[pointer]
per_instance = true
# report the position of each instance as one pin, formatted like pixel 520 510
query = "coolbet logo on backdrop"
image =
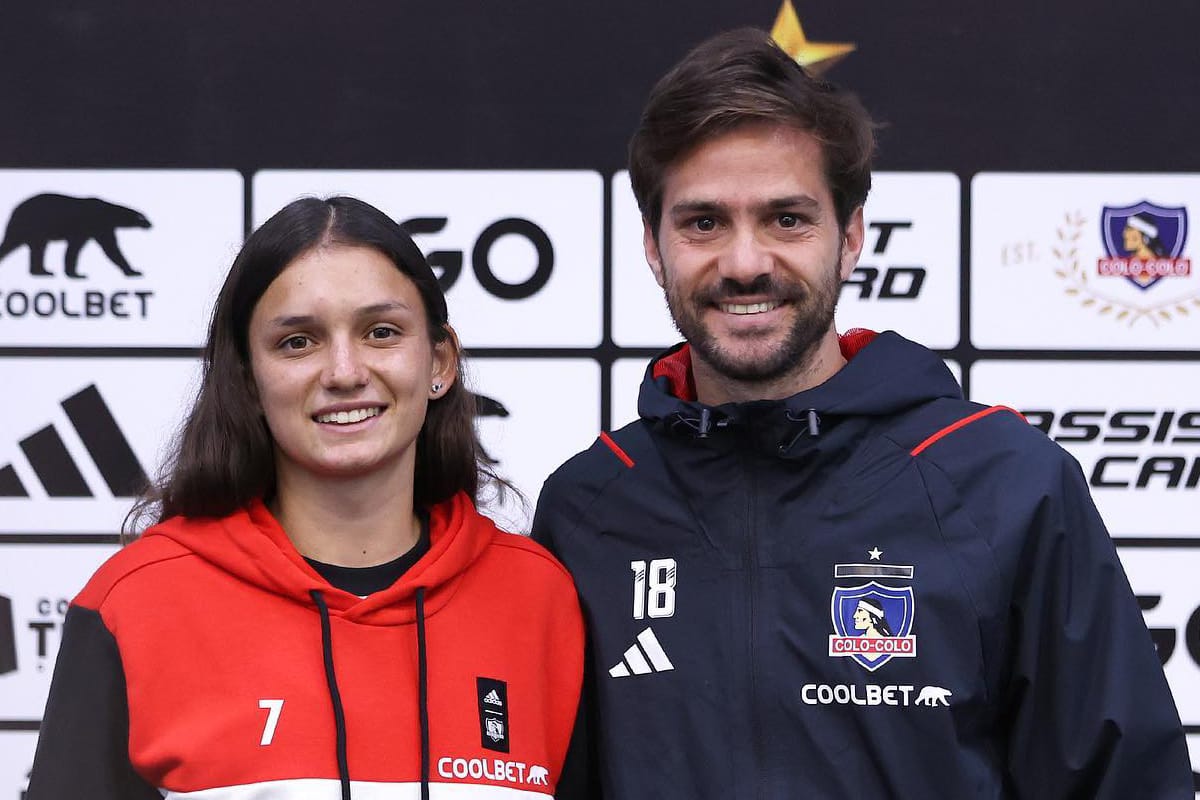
pixel 519 254
pixel 46 218
pixel 122 258
pixel 1134 427
pixel 1054 268
pixel 91 431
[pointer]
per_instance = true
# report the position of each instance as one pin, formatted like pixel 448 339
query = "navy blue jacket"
pixel 871 589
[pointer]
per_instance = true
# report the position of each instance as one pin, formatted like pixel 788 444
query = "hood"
pixel 885 374
pixel 250 545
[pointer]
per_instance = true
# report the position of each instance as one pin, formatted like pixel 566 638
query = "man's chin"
pixel 749 362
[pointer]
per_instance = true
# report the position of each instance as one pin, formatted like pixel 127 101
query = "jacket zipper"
pixel 751 626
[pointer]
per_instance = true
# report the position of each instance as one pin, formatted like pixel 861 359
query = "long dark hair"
pixel 223 457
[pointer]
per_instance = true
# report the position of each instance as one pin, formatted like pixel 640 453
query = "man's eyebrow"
pixel 794 201
pixel 696 207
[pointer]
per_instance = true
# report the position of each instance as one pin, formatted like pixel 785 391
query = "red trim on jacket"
pixel 949 429
pixel 616 448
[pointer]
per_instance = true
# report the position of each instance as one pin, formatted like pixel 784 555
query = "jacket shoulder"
pixel 963 432
pixel 126 564
pixel 581 480
pixel 609 456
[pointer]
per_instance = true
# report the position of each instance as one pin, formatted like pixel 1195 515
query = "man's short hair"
pixel 742 77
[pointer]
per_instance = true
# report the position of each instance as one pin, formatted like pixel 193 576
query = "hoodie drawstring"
pixel 812 428
pixel 423 692
pixel 339 714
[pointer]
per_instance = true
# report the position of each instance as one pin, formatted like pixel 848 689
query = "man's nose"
pixel 745 259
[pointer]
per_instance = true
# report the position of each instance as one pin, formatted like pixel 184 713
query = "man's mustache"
pixel 729 290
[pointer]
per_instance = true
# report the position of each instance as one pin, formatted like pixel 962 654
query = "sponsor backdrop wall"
pixel 1031 220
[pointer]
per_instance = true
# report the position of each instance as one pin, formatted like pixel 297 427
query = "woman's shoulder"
pixel 130 566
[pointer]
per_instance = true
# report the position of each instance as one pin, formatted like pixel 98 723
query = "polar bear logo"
pixel 539 776
pixel 46 218
pixel 934 696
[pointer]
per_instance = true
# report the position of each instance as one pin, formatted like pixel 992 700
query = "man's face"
pixel 750 254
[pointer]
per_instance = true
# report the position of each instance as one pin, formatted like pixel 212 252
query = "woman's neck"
pixel 351 523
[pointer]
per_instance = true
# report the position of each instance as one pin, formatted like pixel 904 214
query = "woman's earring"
pixel 437 387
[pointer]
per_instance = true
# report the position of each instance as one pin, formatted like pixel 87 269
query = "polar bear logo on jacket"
pixel 538 776
pixel 46 218
pixel 934 696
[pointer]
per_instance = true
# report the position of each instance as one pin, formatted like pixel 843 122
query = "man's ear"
pixel 852 243
pixel 653 257
pixel 445 364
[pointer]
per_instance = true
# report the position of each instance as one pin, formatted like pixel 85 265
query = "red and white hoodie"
pixel 209 660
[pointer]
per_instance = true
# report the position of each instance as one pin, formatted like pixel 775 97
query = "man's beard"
pixel 813 308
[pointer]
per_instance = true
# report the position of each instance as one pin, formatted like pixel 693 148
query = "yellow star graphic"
pixel 816 57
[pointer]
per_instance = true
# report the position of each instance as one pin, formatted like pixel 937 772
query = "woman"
pixel 319 606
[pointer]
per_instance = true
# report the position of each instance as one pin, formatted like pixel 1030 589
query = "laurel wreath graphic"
pixel 1076 275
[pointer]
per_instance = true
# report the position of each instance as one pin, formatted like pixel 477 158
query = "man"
pixel 786 492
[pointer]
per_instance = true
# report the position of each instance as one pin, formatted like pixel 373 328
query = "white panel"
pixel 16 757
pixel 38 581
pixel 1132 418
pixel 195 230
pixel 1038 282
pixel 553 412
pixel 912 246
pixel 1193 744
pixel 908 275
pixel 640 316
pixel 146 398
pixel 1167 577
pixel 564 207
pixel 627 374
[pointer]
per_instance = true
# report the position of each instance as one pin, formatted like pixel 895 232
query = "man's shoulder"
pixel 996 445
pixel 609 456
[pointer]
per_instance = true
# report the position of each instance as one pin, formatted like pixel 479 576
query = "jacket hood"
pixel 250 545
pixel 884 375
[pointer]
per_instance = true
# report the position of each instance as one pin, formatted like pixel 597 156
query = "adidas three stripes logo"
pixel 53 465
pixel 644 657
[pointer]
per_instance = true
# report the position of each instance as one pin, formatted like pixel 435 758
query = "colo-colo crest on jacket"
pixel 872 621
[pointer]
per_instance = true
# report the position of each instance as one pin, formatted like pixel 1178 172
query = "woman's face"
pixel 343 365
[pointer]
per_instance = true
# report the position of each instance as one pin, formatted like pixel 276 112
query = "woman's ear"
pixel 445 364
